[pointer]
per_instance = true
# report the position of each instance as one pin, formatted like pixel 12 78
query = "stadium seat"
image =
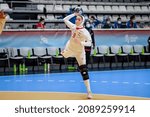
pixel 137 8
pixel 4 58
pixel 40 7
pixel 100 17
pixel 145 56
pixel 84 7
pixel 50 17
pixel 138 18
pixel 124 18
pixel 99 55
pixel 130 9
pixel 50 7
pixel 114 17
pixel 66 7
pixel 135 55
pixel 100 8
pixel 29 59
pixel 123 55
pixel 74 5
pixel 58 16
pixel 50 25
pixel 40 15
pixel 61 26
pixel 115 8
pixel 92 8
pixel 145 8
pixel 145 18
pixel 57 58
pixel 122 8
pixel 58 7
pixel 107 8
pixel 111 55
pixel 15 57
pixel 42 55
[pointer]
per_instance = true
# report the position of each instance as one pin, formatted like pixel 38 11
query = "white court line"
pixel 115 82
pixel 18 80
pixel 147 83
pixel 61 81
pixel 125 82
pixel 29 80
pixel 7 80
pixel 39 80
pixel 104 81
pixel 71 80
pixel 50 80
pixel 136 83
pixel 94 81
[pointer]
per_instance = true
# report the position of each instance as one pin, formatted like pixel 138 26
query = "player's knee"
pixel 84 72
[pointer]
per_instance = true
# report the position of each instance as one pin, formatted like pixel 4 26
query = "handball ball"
pixel 78 10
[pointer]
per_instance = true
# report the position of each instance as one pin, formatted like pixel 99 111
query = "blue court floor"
pixel 120 82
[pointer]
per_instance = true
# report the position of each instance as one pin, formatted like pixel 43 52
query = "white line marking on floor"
pixel 40 80
pixel 7 80
pixel 29 80
pixel 104 81
pixel 115 82
pixel 50 80
pixel 61 81
pixel 125 82
pixel 94 81
pixel 71 80
pixel 147 83
pixel 136 83
pixel 18 80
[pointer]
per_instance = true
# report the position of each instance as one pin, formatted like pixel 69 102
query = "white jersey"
pixel 78 34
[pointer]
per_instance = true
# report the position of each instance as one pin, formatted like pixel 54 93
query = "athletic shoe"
pixel 89 95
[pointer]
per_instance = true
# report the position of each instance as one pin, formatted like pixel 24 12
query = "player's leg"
pixel 67 53
pixel 84 72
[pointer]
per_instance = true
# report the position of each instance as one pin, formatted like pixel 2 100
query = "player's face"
pixel 78 20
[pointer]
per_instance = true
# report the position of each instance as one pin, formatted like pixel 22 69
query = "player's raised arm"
pixel 67 22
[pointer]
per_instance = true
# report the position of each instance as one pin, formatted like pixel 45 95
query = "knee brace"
pixel 84 72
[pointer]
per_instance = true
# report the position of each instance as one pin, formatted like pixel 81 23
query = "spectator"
pixel 41 24
pixel 94 22
pixel 118 23
pixel 131 23
pixel 88 26
pixel 107 23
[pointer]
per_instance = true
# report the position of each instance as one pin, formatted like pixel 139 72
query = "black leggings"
pixel 88 54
